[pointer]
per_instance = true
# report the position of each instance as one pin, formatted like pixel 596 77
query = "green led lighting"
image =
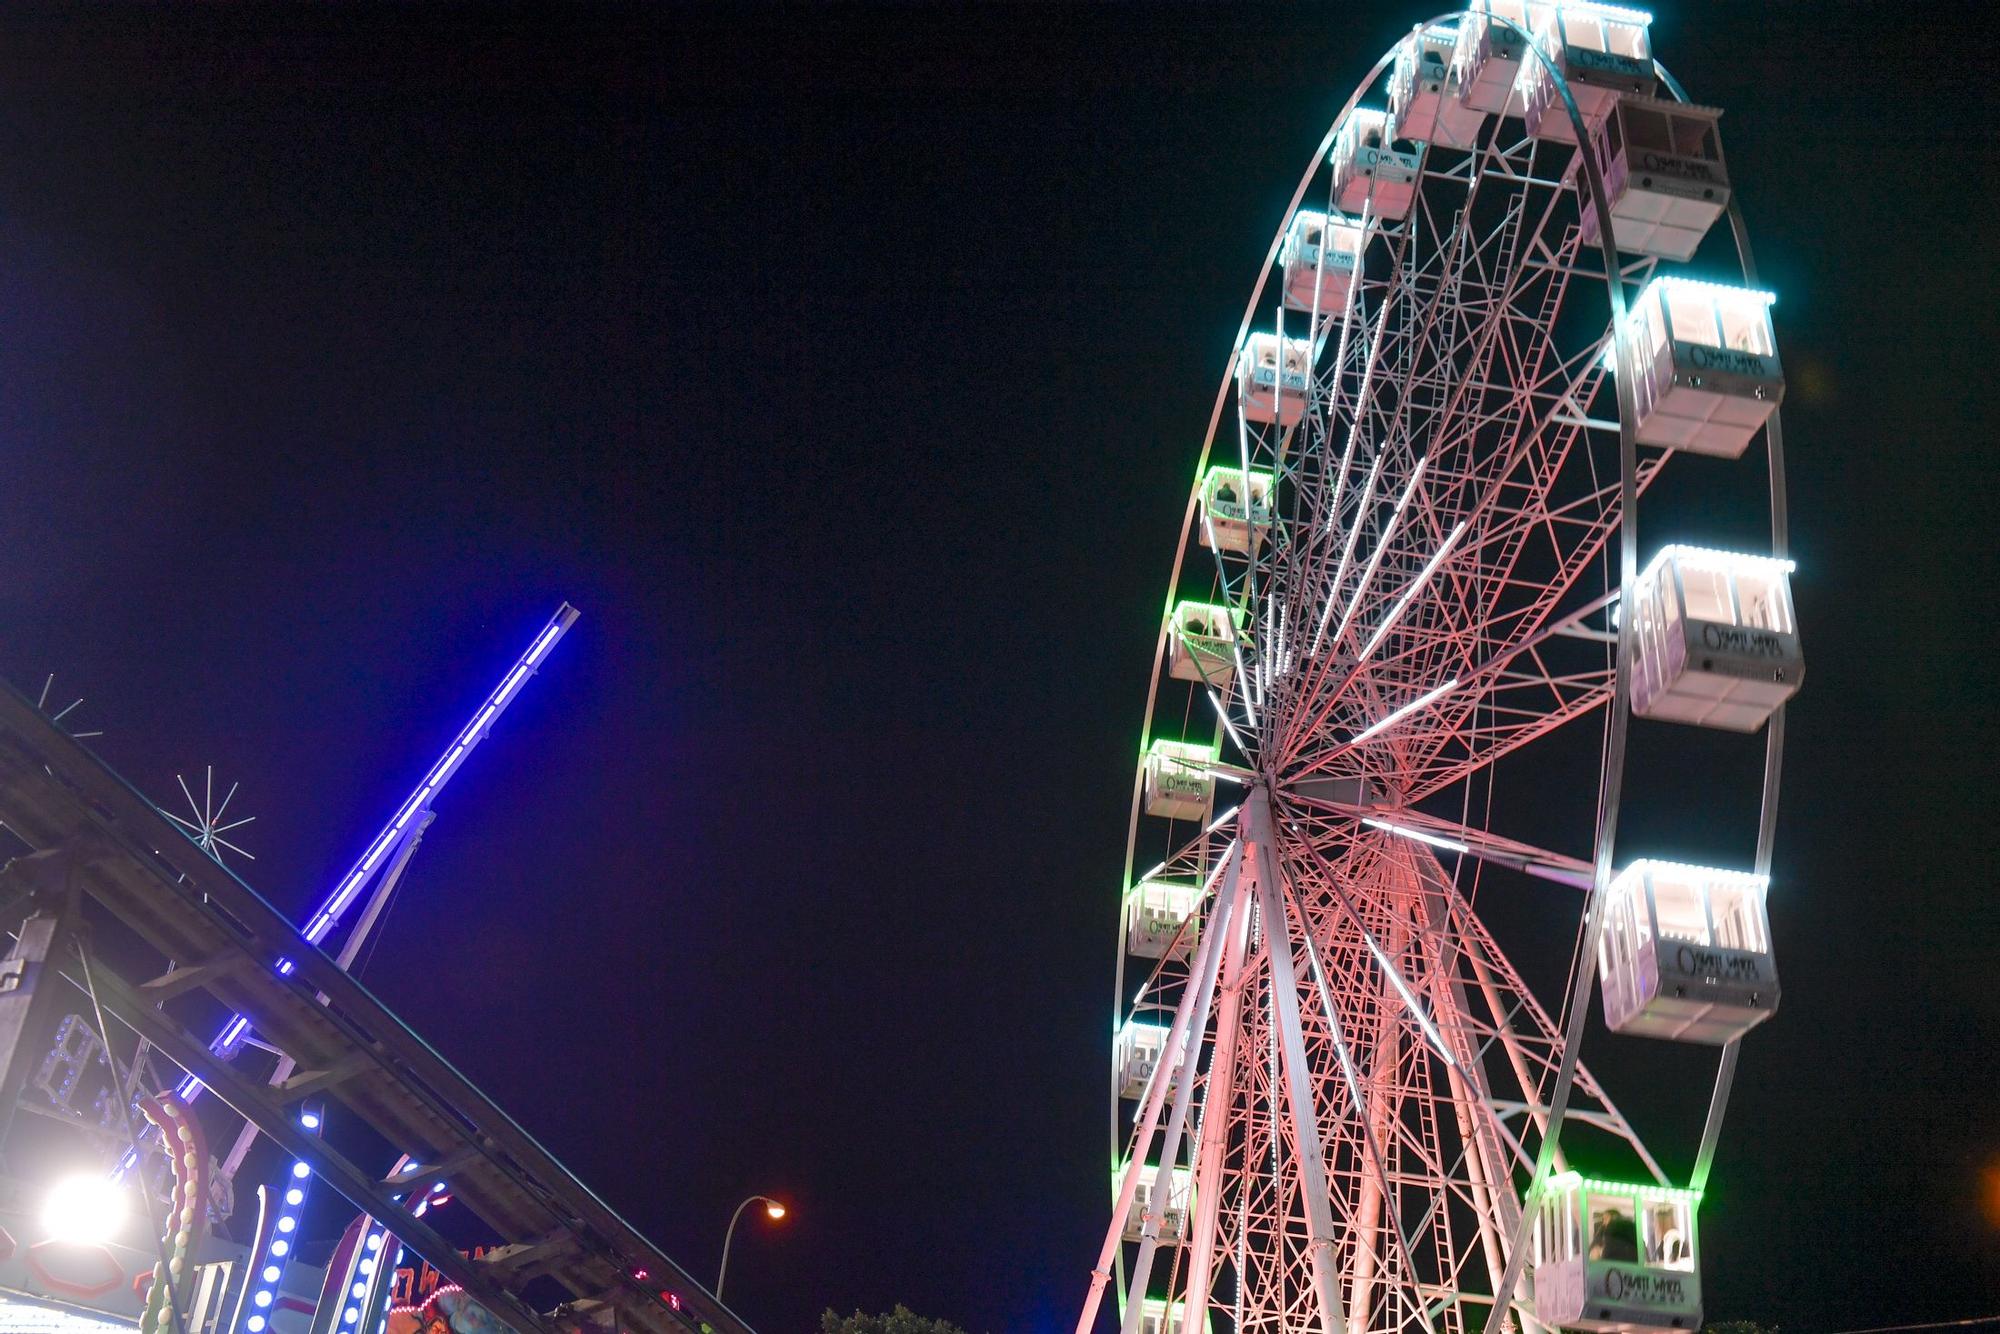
pixel 1644 1191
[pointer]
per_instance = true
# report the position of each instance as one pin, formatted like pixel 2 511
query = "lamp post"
pixel 772 1210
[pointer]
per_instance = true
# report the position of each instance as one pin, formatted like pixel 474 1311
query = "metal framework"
pixel 1366 1093
pixel 105 854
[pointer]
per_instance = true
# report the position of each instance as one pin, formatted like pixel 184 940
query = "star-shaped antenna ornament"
pixel 207 827
pixel 43 704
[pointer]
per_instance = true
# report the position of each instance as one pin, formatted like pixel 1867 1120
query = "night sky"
pixel 847 369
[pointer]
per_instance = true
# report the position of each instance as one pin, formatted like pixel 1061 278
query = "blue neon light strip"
pixel 267 1270
pixel 468 738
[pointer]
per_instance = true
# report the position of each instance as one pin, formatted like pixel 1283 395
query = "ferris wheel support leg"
pixel 1187 1057
pixel 1259 841
pixel 1217 1101
pixel 1373 1134
pixel 1382 1109
pixel 1207 953
pixel 1486 1162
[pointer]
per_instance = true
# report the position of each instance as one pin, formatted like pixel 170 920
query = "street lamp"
pixel 772 1210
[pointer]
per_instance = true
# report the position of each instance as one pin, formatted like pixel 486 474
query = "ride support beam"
pixel 1259 845
pixel 29 1003
pixel 248 1100
pixel 1218 1097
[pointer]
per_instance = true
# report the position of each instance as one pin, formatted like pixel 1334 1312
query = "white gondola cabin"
pixel 1715 641
pixel 1616 1257
pixel 1180 779
pixel 1686 953
pixel 1135 1054
pixel 1235 512
pixel 1424 100
pixel 1602 52
pixel 1320 252
pixel 1155 912
pixel 1486 58
pixel 1173 1217
pixel 1705 365
pixel 1202 643
pixel 1157 1316
pixel 1663 170
pixel 1272 381
pixel 1368 173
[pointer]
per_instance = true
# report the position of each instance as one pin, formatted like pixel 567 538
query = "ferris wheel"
pixel 1494 311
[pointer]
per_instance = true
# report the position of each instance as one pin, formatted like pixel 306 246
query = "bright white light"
pixel 368 1266
pixel 295 1196
pixel 272 1274
pixel 301 1171
pixel 310 1120
pixel 375 1241
pixel 1410 708
pixel 287 1223
pixel 1667 281
pixel 85 1208
pixel 350 1315
pixel 254 1324
pixel 262 1299
pixel 1213 825
pixel 280 1246
pixel 1449 845
pixel 1416 586
pixel 359 1289
pixel 1712 559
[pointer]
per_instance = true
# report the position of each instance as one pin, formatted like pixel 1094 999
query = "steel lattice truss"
pixel 1429 596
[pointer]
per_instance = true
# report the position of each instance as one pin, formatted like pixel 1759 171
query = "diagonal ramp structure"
pixel 103 852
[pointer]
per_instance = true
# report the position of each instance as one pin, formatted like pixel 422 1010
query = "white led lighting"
pixel 1670 282
pixel 1404 712
pixel 1687 868
pixel 1712 557
pixel 1449 845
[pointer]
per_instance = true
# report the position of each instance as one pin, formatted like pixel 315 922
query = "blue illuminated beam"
pixel 408 818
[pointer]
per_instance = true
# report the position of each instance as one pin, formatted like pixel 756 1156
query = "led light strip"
pixel 441 773
pixel 268 1264
pixel 1375 729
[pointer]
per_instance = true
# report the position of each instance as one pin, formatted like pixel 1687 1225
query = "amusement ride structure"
pixel 113 1211
pixel 1500 302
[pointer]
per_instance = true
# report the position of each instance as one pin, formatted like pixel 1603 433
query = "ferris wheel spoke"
pixel 1407 822
pixel 1472 515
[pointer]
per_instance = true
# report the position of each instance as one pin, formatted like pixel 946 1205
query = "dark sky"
pixel 847 367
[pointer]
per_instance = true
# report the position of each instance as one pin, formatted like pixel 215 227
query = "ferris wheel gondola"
pixel 1412 550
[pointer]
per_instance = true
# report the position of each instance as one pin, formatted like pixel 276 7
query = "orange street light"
pixel 772 1210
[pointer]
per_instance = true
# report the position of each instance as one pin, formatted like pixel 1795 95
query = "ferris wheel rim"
pixel 1613 755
